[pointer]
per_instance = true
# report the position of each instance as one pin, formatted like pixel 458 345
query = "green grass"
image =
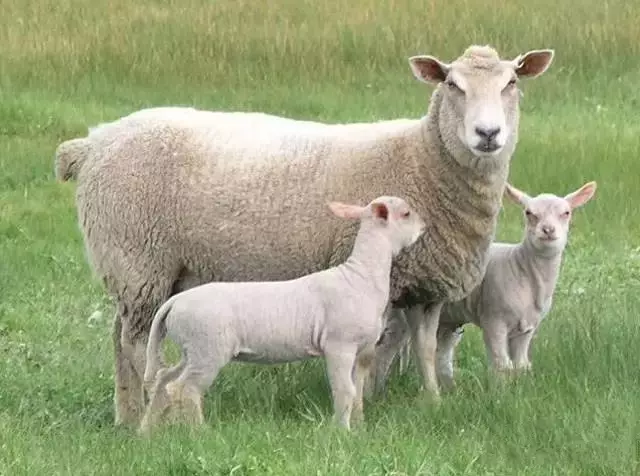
pixel 68 64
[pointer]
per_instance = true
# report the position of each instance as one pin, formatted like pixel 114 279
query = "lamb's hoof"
pixel 357 418
pixel 430 397
pixel 144 431
pixel 341 424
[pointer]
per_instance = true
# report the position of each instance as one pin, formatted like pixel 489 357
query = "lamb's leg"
pixel 159 398
pixel 448 339
pixel 497 346
pixel 362 368
pixel 519 351
pixel 423 322
pixel 394 338
pixel 186 403
pixel 187 391
pixel 340 364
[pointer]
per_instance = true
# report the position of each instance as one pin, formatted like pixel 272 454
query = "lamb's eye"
pixel 452 85
pixel 510 85
pixel 566 214
pixel 406 214
pixel 528 213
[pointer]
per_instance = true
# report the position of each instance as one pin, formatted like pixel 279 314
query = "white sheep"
pixel 516 292
pixel 336 313
pixel 169 198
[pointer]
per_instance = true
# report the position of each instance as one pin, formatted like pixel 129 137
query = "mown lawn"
pixel 68 64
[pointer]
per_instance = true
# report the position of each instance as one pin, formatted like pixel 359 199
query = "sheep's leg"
pixel 361 369
pixel 404 356
pixel 128 397
pixel 130 366
pixel 137 301
pixel 394 338
pixel 340 364
pixel 424 328
pixel 448 339
pixel 497 346
pixel 519 351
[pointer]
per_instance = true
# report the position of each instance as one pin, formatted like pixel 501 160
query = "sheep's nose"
pixel 488 134
pixel 548 229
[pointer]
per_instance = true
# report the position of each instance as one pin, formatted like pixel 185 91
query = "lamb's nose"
pixel 488 134
pixel 548 229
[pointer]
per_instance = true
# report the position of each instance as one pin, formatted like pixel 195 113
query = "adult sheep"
pixel 169 198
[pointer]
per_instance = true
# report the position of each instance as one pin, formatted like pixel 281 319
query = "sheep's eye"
pixel 566 214
pixel 406 214
pixel 528 213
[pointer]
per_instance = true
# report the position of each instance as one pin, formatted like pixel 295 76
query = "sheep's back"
pixel 234 196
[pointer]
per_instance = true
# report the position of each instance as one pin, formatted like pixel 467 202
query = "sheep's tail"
pixel 70 157
pixel 154 358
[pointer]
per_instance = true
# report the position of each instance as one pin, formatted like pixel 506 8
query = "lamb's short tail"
pixel 154 358
pixel 70 157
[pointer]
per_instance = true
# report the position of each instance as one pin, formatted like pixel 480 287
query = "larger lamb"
pixel 171 197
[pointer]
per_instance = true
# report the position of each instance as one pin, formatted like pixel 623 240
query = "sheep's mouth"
pixel 487 147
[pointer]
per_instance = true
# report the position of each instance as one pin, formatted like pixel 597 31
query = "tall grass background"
pixel 73 63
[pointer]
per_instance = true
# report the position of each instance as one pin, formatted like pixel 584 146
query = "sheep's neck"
pixel 461 213
pixel 473 181
pixel 370 261
pixel 541 269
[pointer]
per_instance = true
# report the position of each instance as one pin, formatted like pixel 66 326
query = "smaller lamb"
pixel 517 290
pixel 336 313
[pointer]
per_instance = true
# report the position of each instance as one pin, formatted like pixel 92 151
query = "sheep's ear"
pixel 429 69
pixel 517 196
pixel 533 63
pixel 380 210
pixel 343 210
pixel 582 195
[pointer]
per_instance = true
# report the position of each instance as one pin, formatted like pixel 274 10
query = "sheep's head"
pixel 547 216
pixel 479 105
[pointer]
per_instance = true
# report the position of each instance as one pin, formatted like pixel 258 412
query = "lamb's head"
pixel 403 224
pixel 478 99
pixel 547 216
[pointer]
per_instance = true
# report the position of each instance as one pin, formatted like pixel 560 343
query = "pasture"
pixel 69 64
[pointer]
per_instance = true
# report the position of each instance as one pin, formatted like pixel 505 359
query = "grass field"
pixel 68 64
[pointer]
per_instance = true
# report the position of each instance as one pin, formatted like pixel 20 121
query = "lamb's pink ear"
pixel 517 196
pixel 429 69
pixel 380 210
pixel 582 195
pixel 343 210
pixel 533 63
